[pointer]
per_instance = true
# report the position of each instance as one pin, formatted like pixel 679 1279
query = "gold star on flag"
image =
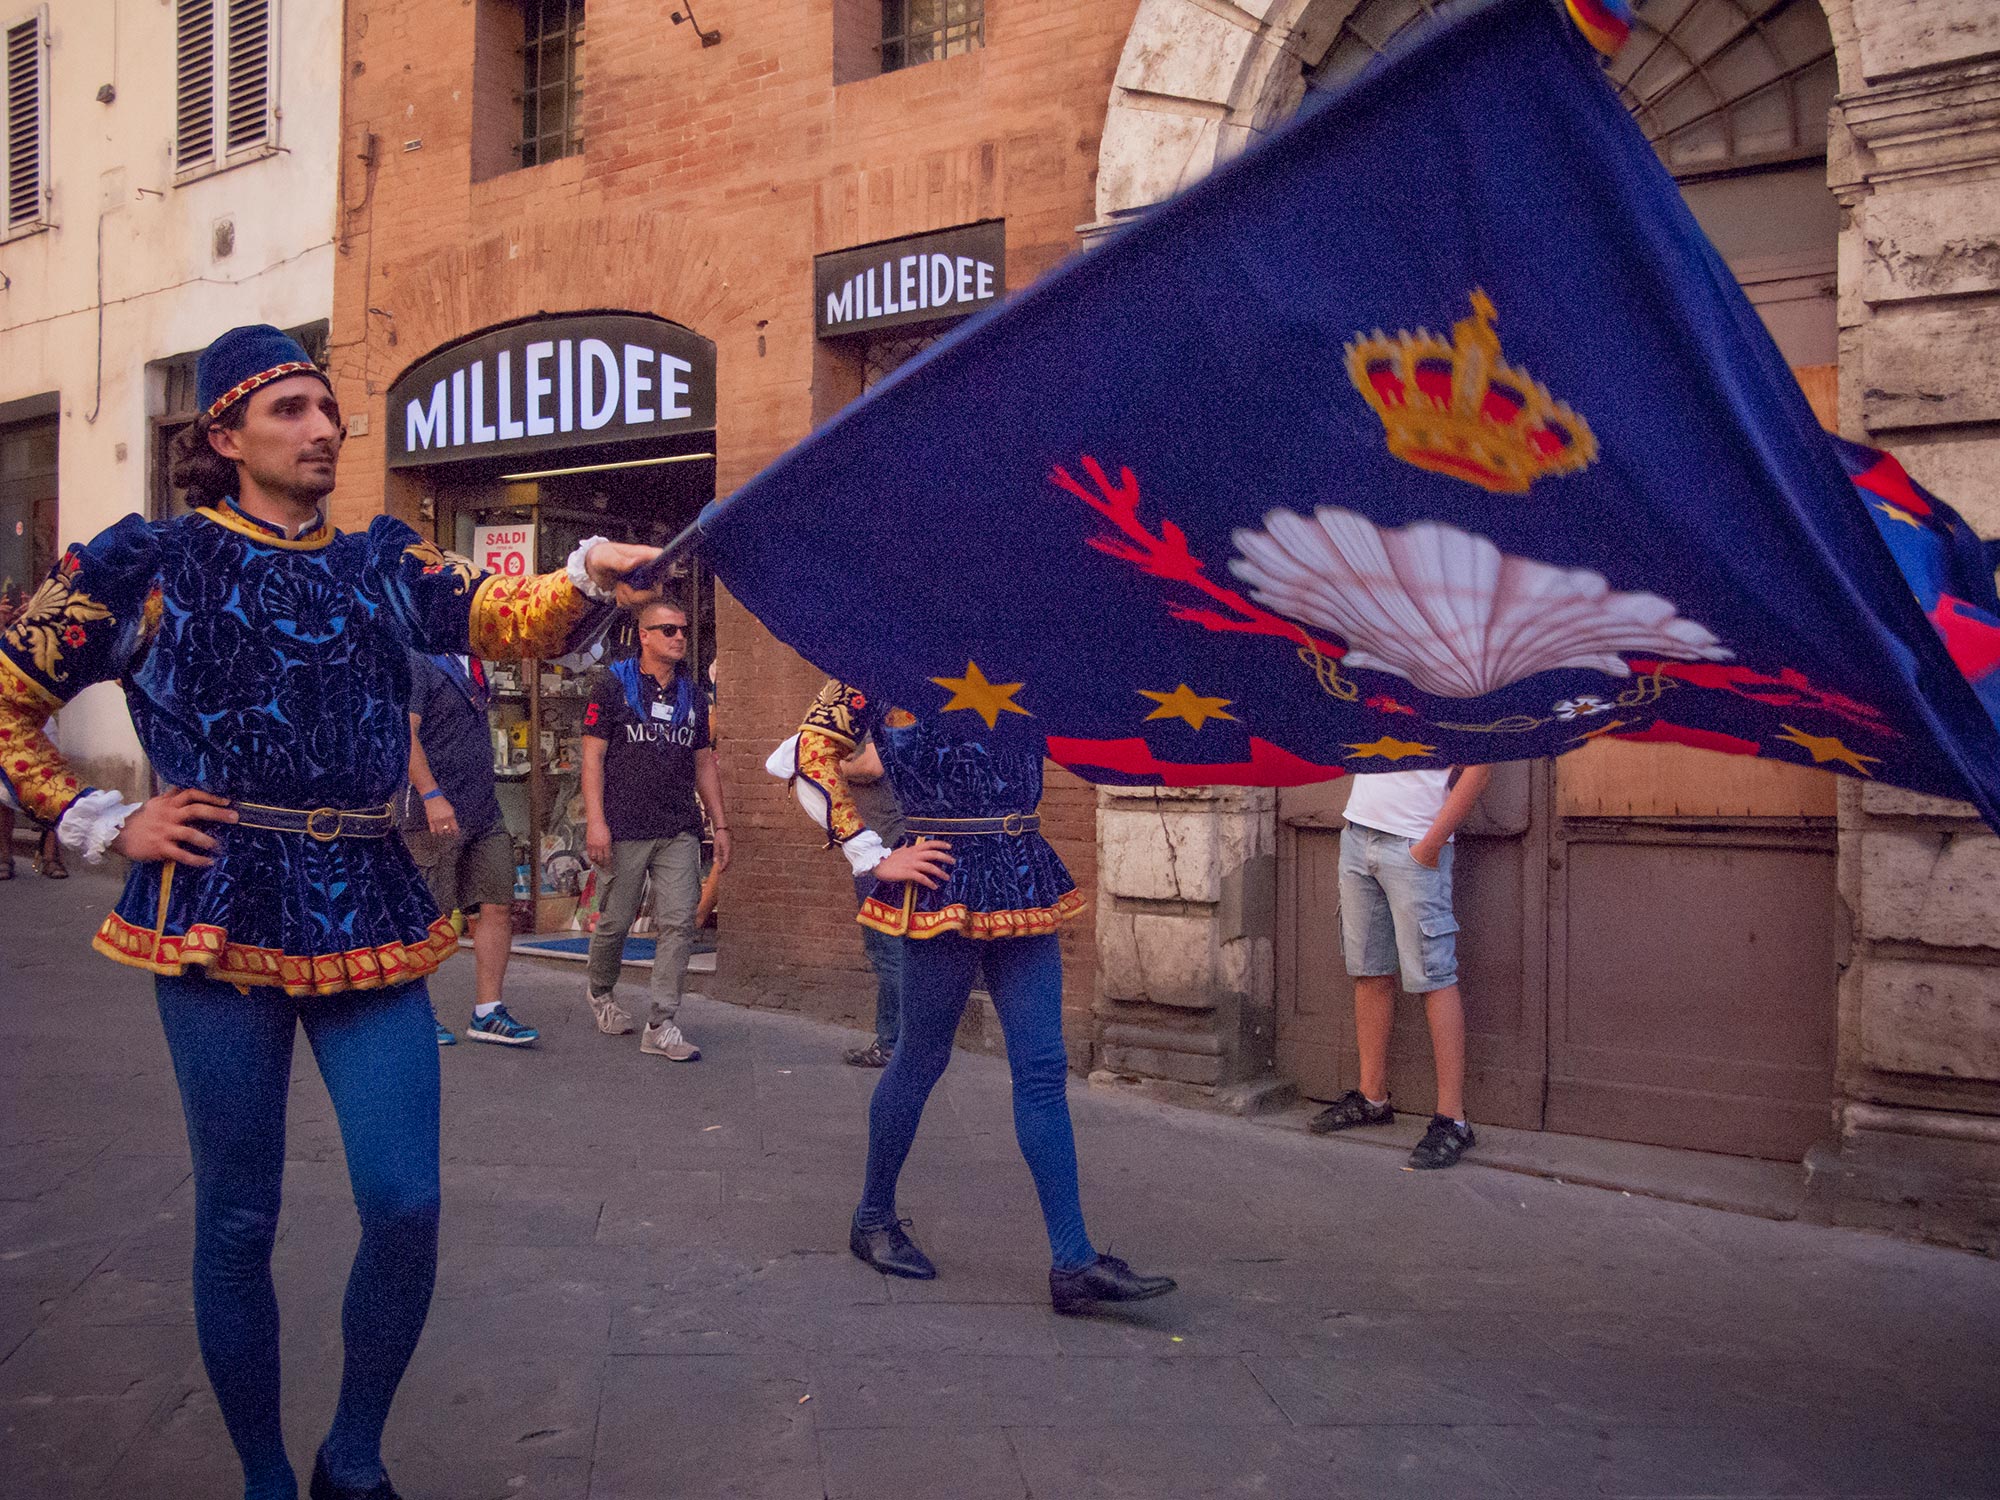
pixel 1185 703
pixel 1390 749
pixel 1825 747
pixel 1897 513
pixel 987 699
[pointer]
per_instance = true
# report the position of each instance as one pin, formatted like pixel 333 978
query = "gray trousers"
pixel 675 865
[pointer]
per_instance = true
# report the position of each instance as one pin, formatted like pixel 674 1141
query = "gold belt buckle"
pixel 1013 823
pixel 315 815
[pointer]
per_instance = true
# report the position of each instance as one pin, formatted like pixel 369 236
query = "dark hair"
pixel 206 476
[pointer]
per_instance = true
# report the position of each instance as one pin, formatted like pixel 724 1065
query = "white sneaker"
pixel 611 1017
pixel 665 1040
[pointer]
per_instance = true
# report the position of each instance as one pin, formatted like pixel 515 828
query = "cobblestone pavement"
pixel 645 1292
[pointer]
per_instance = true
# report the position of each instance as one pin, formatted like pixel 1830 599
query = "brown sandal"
pixel 50 866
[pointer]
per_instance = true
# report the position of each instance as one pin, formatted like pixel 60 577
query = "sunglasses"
pixel 665 629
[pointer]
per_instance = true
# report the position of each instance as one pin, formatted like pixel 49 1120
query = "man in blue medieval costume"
pixel 264 657
pixel 973 889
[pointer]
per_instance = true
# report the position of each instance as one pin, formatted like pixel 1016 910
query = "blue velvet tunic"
pixel 274 671
pixel 1003 885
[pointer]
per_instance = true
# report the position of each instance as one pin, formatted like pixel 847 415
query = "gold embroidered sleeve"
pixel 34 770
pixel 832 729
pixel 524 617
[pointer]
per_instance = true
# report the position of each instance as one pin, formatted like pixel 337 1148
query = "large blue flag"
pixel 1430 431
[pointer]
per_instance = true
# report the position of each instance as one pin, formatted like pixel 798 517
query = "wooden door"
pixel 1500 879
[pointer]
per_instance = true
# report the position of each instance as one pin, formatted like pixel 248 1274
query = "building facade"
pixel 809 191
pixel 170 172
pixel 1834 993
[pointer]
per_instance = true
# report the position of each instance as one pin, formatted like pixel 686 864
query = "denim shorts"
pixel 1395 915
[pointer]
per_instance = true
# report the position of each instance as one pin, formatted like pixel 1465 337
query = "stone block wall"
pixel 1187 885
pixel 1915 165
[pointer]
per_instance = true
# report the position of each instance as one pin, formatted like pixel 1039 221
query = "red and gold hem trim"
pixel 208 947
pixel 904 921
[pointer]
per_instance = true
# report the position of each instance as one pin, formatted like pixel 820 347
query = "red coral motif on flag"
pixel 1268 765
pixel 1167 556
pixel 1660 732
pixel 1383 703
pixel 1974 643
pixel 1789 689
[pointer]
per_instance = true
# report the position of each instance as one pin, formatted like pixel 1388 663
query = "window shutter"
pixel 225 93
pixel 249 72
pixel 27 164
pixel 194 99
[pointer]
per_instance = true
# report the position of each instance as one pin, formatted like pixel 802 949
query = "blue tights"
pixel 377 1052
pixel 1024 976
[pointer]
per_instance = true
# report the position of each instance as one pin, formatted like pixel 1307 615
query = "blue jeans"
pixel 1395 914
pixel 377 1052
pixel 885 957
pixel 1024 976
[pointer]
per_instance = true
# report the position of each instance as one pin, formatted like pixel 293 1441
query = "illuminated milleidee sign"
pixel 922 279
pixel 552 383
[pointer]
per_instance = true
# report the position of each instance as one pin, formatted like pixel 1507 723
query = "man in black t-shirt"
pixel 646 756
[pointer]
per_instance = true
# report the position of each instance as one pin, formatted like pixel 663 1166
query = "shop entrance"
pixel 517 444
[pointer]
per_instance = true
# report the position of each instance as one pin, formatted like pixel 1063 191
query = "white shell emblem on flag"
pixel 1449 611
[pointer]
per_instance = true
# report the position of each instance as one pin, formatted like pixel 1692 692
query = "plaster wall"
pixel 131 259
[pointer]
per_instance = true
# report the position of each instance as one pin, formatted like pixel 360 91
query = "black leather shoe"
pixel 1108 1279
pixel 890 1251
pixel 323 1487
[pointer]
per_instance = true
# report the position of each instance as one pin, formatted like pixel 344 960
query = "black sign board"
pixel 917 280
pixel 552 383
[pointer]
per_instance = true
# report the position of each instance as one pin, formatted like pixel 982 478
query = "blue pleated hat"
pixel 244 359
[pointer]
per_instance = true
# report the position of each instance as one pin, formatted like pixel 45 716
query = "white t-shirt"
pixel 1404 803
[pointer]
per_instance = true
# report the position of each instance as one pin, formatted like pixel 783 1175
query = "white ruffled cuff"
pixel 580 575
pixel 865 851
pixel 92 822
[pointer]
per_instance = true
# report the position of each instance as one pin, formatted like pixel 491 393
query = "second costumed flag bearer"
pixel 974 888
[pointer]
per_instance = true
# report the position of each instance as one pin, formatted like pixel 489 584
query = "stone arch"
pixel 1199 79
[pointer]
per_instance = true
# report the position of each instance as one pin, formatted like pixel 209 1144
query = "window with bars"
pixel 225 95
pixel 921 31
pixel 552 80
pixel 25 186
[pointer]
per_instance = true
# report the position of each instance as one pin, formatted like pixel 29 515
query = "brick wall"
pixel 710 178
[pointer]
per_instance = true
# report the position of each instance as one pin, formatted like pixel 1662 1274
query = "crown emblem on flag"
pixel 1460 409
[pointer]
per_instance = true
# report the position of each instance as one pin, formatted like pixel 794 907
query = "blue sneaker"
pixel 497 1026
pixel 446 1036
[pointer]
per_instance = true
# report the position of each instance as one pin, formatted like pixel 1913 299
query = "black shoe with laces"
pixel 874 1055
pixel 323 1487
pixel 1443 1144
pixel 1349 1110
pixel 890 1251
pixel 1106 1279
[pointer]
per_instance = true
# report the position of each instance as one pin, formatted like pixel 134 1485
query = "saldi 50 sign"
pixel 550 383
pixel 507 549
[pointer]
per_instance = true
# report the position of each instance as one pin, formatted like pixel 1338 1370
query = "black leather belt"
pixel 323 824
pixel 1013 824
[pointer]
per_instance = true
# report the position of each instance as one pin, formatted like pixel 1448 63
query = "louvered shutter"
pixel 27 162
pixel 194 98
pixel 225 94
pixel 249 77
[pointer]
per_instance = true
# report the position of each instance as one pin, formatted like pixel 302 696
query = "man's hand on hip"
pixel 169 827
